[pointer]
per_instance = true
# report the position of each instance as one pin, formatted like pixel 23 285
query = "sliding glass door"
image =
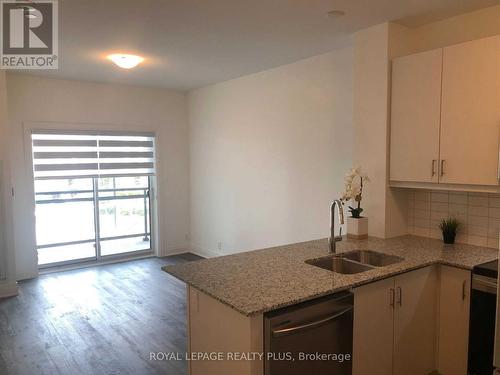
pixel 90 218
pixel 65 226
pixel 124 215
pixel 92 196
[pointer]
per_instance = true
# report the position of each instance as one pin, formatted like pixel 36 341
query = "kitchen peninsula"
pixel 228 297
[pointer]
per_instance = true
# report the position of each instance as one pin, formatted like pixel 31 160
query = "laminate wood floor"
pixel 97 320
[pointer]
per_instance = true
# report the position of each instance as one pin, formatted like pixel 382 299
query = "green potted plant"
pixel 357 225
pixel 449 227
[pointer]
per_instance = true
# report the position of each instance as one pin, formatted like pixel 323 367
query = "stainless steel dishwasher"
pixel 314 336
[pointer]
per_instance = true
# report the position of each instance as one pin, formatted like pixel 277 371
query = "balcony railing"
pixel 96 196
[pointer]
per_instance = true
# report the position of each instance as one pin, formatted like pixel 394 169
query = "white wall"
pixel 268 154
pixel 462 28
pixel 268 151
pixel 385 207
pixel 465 27
pixel 84 105
pixel 371 72
pixel 7 271
pixel 4 181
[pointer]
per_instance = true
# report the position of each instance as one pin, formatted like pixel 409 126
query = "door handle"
pixel 433 168
pixel 391 297
pixel 302 327
pixel 442 168
pixel 399 293
pixel 463 289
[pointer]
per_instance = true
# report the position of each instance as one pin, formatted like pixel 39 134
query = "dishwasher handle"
pixel 302 327
pixel 484 284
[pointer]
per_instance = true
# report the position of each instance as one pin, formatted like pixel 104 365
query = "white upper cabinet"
pixel 445 115
pixel 470 114
pixel 415 117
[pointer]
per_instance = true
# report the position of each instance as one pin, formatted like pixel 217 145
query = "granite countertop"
pixel 258 281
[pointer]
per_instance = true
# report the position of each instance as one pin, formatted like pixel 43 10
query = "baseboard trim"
pixel 9 289
pixel 193 249
pixel 204 252
pixel 174 250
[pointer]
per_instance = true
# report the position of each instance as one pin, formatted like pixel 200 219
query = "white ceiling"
pixel 193 43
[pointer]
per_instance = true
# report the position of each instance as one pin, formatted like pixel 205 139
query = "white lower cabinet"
pixel 214 327
pixel 454 307
pixel 395 325
pixel 373 328
pixel 415 322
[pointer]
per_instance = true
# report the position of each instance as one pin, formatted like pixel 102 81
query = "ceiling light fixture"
pixel 335 13
pixel 125 61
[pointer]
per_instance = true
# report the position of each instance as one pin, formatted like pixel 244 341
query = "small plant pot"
pixel 357 228
pixel 449 237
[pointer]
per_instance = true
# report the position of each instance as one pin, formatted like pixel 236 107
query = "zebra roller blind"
pixel 71 155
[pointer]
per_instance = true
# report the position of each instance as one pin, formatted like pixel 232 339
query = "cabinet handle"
pixel 442 168
pixel 464 284
pixel 433 170
pixel 400 296
pixel 391 297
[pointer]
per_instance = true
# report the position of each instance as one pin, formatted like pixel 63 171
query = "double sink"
pixel 354 261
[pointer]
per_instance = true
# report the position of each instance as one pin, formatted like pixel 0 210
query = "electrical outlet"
pixel 219 245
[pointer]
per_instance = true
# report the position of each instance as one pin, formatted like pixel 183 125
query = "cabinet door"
pixel 415 117
pixel 454 303
pixel 373 328
pixel 415 322
pixel 215 327
pixel 471 113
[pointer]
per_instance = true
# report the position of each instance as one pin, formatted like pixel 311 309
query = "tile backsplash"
pixel 479 214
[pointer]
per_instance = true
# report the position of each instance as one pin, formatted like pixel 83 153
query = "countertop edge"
pixel 311 297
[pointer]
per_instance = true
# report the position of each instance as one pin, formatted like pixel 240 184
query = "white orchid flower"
pixel 354 186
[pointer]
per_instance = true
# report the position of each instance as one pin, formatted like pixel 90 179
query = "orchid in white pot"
pixel 354 182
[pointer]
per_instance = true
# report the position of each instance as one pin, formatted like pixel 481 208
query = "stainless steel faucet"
pixel 334 239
